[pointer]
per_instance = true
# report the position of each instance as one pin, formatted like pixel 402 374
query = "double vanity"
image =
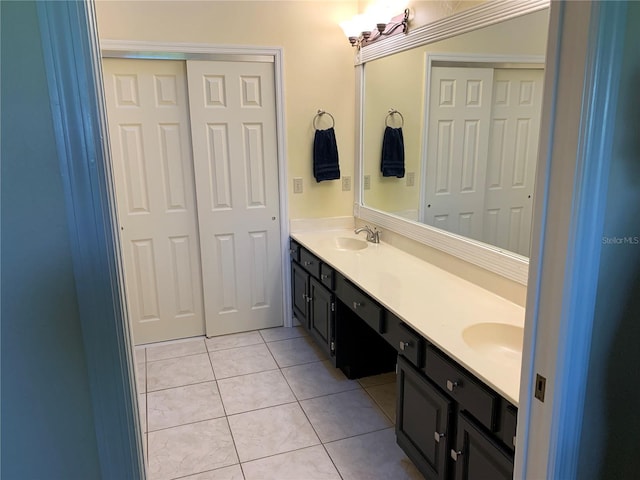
pixel 456 347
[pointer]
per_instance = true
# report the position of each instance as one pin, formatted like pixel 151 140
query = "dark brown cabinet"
pixel 449 423
pixel 424 419
pixel 322 309
pixel 477 456
pixel 300 293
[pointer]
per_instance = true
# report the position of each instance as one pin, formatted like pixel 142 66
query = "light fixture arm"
pixel 401 25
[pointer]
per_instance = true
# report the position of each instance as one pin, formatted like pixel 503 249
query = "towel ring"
pixel 319 114
pixel 391 113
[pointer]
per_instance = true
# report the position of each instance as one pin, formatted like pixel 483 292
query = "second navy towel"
pixel 392 163
pixel 325 156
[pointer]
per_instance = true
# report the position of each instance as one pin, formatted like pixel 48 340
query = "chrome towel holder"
pixel 320 114
pixel 392 112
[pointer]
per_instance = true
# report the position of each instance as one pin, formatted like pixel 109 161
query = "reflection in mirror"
pixel 470 157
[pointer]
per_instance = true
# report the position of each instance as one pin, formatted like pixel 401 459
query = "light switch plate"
pixel 346 183
pixel 367 182
pixel 297 185
pixel 411 179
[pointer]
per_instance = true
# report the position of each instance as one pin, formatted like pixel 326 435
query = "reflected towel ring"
pixel 391 113
pixel 319 114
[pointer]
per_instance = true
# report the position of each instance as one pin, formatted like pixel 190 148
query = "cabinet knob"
pixel 437 436
pixel 404 345
pixel 324 276
pixel 306 264
pixel 451 386
pixel 357 304
pixel 455 454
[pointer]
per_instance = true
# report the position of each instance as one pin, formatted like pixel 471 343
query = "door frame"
pixel 142 50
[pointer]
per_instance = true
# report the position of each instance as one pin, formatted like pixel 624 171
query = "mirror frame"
pixel 502 262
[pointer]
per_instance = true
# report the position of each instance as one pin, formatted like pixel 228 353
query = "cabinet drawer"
pixel 310 262
pixel 360 303
pixel 408 343
pixel 472 395
pixel 294 250
pixel 327 276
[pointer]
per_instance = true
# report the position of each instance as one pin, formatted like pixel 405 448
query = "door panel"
pixel 232 109
pixel 513 151
pixel 460 109
pixel 153 174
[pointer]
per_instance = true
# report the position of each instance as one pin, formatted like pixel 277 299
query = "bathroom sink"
pixel 348 243
pixel 497 340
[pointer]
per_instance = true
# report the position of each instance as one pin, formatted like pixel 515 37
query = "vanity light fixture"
pixel 359 36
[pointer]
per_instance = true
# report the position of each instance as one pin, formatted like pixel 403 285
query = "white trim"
pixel 483 15
pixel 180 51
pixel 72 61
pixel 586 47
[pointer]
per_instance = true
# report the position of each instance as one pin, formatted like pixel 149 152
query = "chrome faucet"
pixel 372 235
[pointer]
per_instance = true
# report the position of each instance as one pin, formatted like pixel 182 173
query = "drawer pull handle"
pixel 306 264
pixel 437 436
pixel 455 454
pixel 404 345
pixel 451 386
pixel 292 251
pixel 357 304
pixel 323 276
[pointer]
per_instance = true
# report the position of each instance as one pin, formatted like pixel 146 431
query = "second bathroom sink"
pixel 498 340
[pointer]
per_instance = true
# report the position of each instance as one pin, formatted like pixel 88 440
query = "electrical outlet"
pixel 297 185
pixel 411 179
pixel 367 182
pixel 346 183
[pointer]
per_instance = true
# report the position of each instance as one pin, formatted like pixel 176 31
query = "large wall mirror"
pixel 469 107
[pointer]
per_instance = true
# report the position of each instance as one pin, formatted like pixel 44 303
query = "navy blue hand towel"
pixel 392 163
pixel 325 155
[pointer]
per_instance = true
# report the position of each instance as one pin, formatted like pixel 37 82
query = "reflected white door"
pixel 513 152
pixel 459 115
pixel 233 123
pixel 153 173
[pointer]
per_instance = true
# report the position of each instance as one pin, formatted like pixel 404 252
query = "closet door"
pixel 459 115
pixel 233 124
pixel 513 154
pixel 153 174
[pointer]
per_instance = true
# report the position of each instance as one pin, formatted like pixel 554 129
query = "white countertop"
pixel 436 303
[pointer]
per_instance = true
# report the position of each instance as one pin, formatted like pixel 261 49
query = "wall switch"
pixel 411 179
pixel 367 182
pixel 297 185
pixel 346 183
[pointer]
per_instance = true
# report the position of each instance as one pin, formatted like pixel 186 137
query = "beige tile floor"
pixel 263 405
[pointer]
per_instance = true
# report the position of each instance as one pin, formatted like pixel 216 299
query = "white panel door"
pixel 459 113
pixel 233 123
pixel 153 172
pixel 513 152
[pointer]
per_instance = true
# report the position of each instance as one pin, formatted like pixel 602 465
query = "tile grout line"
pixel 313 427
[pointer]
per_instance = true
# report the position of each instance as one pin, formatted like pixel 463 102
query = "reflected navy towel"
pixel 392 163
pixel 325 156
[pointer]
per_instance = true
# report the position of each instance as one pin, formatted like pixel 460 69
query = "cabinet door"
pixel 321 315
pixel 423 421
pixel 477 456
pixel 300 293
